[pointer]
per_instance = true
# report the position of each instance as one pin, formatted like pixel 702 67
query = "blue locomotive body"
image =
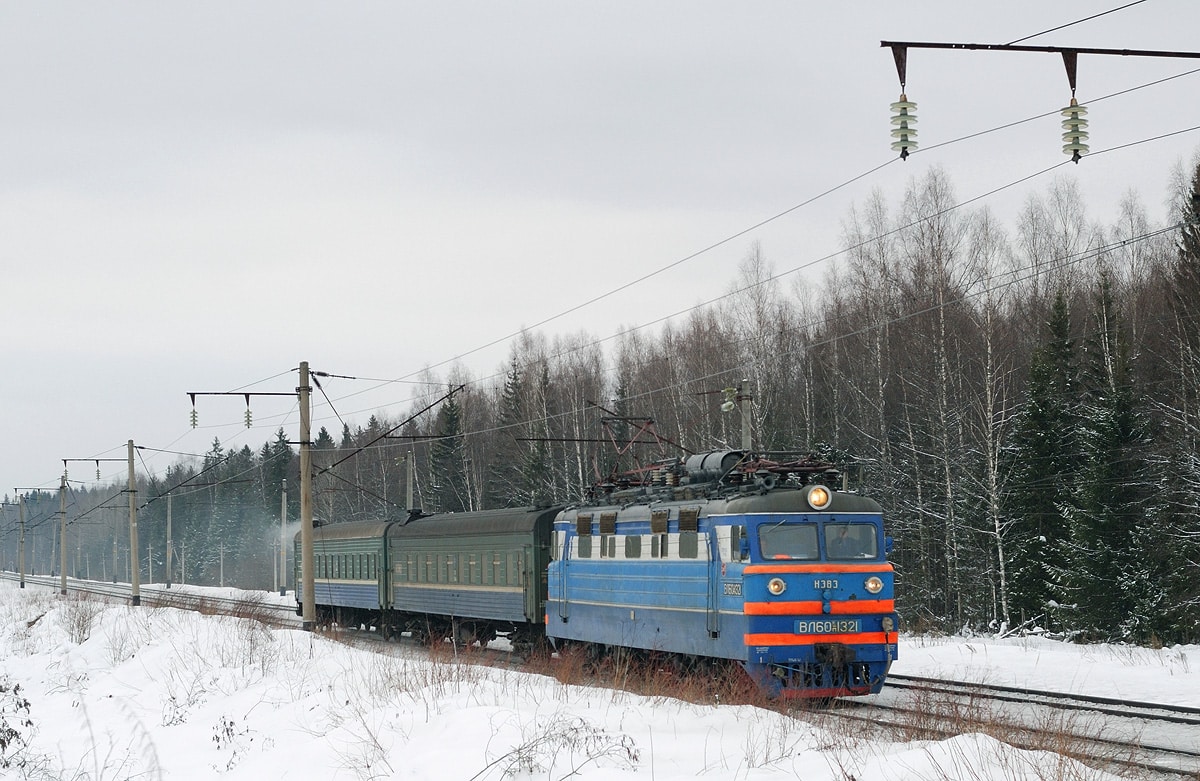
pixel 757 578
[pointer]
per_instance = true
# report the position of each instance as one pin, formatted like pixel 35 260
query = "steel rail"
pixel 1124 727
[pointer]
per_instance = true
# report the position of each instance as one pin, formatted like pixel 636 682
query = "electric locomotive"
pixel 729 555
pixel 737 557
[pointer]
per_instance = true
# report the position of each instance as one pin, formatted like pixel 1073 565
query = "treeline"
pixel 1023 400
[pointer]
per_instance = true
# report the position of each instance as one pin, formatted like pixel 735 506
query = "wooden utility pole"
pixel 21 553
pixel 283 539
pixel 309 605
pixel 744 398
pixel 411 463
pixel 134 589
pixel 62 536
pixel 116 533
pixel 170 542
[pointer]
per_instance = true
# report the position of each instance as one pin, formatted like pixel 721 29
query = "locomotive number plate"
pixel 732 588
pixel 828 627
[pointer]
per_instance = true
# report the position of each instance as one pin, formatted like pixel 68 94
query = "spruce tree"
pixel 1177 544
pixel 535 469
pixel 276 465
pixel 1107 574
pixel 324 440
pixel 1189 233
pixel 1041 464
pixel 504 480
pixel 449 469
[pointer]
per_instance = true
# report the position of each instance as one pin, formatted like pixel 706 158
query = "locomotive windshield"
pixel 850 541
pixel 788 541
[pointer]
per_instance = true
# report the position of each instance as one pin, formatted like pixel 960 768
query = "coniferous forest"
pixel 1024 401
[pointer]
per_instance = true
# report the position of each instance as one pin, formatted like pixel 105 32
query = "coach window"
pixel 633 546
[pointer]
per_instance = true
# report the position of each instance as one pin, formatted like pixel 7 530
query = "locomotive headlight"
pixel 887 623
pixel 819 497
pixel 873 584
pixel 776 586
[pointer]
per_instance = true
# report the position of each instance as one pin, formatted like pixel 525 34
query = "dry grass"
pixel 654 674
pixel 79 613
pixel 1021 747
pixel 252 607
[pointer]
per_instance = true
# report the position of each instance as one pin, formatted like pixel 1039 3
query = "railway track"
pixel 1163 740
pixel 158 595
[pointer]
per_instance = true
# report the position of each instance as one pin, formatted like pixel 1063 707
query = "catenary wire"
pixel 1077 21
pixel 776 277
pixel 772 219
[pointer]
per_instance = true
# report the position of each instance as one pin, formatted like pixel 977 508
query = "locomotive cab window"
pixel 850 541
pixel 784 540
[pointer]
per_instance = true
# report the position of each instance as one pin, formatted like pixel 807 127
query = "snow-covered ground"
pixel 1169 676
pixel 116 692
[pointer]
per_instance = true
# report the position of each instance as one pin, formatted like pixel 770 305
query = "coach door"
pixel 564 608
pixel 529 582
pixel 714 587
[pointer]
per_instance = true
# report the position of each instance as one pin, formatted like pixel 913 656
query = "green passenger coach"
pixel 472 576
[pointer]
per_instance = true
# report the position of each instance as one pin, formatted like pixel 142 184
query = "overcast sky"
pixel 198 196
